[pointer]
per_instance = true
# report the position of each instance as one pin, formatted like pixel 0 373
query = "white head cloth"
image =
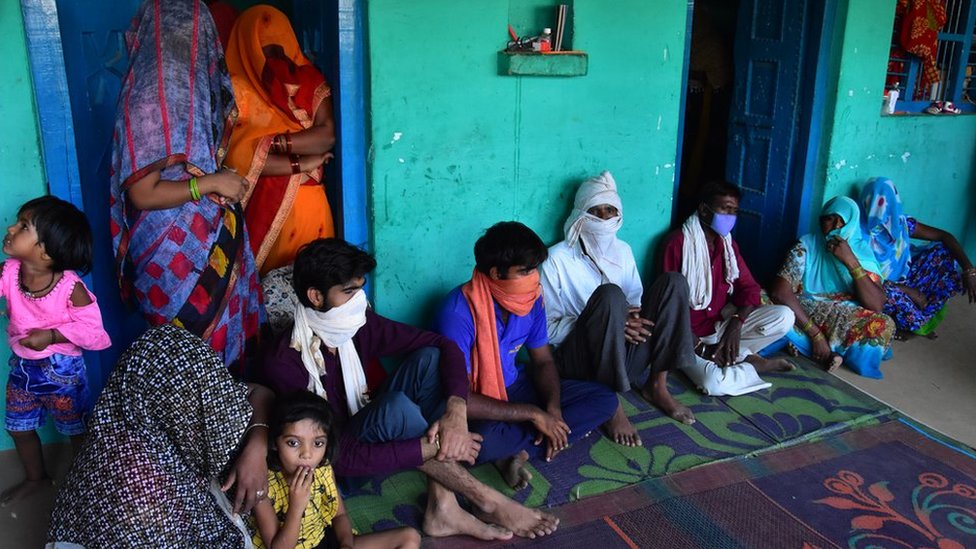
pixel 696 266
pixel 599 236
pixel 335 328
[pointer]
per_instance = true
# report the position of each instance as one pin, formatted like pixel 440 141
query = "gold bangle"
pixel 858 273
pixel 809 324
pixel 819 335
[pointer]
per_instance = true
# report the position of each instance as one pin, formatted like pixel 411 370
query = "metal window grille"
pixel 955 61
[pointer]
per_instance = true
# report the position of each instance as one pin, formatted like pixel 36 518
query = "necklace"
pixel 34 293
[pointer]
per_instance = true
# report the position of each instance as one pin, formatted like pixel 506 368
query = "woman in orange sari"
pixel 282 138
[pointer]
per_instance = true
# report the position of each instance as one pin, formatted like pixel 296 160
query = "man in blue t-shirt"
pixel 491 317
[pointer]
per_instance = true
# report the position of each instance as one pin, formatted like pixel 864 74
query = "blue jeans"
pixel 410 400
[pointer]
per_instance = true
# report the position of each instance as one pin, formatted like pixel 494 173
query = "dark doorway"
pixel 753 116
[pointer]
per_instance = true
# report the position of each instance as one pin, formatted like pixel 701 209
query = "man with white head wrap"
pixel 604 325
pixel 727 316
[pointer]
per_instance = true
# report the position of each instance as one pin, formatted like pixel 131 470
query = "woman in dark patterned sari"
pixel 170 423
pixel 177 227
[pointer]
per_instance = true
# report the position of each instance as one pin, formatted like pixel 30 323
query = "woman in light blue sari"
pixel 918 279
pixel 833 284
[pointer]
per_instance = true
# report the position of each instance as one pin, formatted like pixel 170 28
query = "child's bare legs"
pixel 28 446
pixel 399 538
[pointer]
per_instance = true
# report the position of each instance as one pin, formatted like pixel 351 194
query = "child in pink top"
pixel 52 318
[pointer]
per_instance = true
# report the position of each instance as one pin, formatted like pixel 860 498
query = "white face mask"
pixel 339 324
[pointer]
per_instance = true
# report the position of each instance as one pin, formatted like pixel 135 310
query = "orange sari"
pixel 274 97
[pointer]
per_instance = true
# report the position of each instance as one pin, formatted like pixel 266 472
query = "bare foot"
pixel 764 365
pixel 656 392
pixel 513 470
pixel 792 350
pixel 23 490
pixel 833 362
pixel 446 518
pixel 522 521
pixel 620 430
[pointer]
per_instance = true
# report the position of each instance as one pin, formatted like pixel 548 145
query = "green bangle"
pixel 194 189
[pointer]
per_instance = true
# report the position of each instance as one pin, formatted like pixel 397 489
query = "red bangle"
pixel 296 168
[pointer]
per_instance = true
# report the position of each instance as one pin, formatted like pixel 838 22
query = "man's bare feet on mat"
pixel 513 470
pixel 620 430
pixel 448 519
pixel 521 520
pixel 658 395
pixel 764 365
pixel 23 490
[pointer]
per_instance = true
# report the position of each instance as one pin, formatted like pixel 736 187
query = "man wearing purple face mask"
pixel 726 313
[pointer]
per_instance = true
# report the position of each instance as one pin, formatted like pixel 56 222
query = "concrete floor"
pixel 931 381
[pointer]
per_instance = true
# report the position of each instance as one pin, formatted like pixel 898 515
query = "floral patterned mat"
pixel 893 485
pixel 803 405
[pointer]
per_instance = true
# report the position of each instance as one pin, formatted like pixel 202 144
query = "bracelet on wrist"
pixel 194 189
pixel 807 325
pixel 253 425
pixel 858 273
pixel 296 166
pixel 287 139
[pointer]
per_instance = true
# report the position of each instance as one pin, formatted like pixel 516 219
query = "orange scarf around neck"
pixel 517 296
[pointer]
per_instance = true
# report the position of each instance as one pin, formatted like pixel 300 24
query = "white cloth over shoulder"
pixel 335 328
pixel 696 265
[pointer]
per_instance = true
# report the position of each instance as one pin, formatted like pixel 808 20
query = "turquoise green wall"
pixel 932 159
pixel 456 147
pixel 23 176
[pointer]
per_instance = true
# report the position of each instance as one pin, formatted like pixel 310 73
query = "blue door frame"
pixel 60 153
pixel 813 101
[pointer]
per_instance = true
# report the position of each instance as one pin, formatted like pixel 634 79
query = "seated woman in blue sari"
pixel 918 280
pixel 833 284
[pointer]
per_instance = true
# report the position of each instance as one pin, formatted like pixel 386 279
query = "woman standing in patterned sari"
pixel 177 226
pixel 832 283
pixel 282 137
pixel 918 280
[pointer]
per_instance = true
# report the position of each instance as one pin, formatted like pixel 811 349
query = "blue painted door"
pixel 95 60
pixel 763 127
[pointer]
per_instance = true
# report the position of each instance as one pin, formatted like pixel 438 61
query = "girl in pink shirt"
pixel 52 318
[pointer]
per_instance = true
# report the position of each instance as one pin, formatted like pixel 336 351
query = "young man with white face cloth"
pixel 417 418
pixel 604 325
pixel 726 315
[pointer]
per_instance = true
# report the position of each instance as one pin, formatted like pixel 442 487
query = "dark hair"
pixel 294 407
pixel 507 244
pixel 325 262
pixel 714 189
pixel 64 232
